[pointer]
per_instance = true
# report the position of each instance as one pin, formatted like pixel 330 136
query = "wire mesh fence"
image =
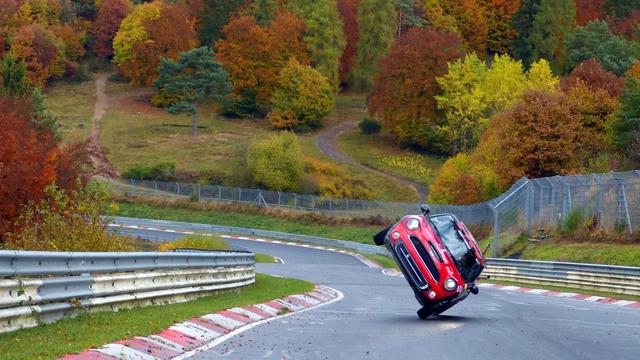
pixel 611 201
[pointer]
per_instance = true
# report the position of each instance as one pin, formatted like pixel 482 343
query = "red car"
pixel 437 255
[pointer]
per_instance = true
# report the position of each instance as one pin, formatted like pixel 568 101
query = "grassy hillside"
pixel 73 104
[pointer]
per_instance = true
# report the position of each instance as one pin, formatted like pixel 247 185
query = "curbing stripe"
pixel 250 314
pixel 122 352
pixel 194 332
pixel 206 323
pixel 235 316
pixel 148 347
pixel 182 339
pixel 224 321
pixel 88 355
pixel 268 309
pixel 166 343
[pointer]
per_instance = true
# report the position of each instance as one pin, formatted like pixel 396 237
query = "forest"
pixel 500 89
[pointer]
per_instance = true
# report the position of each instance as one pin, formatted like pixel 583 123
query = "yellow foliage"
pixel 334 182
pixel 132 31
pixel 196 242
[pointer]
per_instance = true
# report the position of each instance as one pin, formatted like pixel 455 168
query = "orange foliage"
pixel 110 16
pixel 498 15
pixel 40 50
pixel 470 22
pixel 595 77
pixel 588 10
pixel 254 55
pixel 541 136
pixel 348 11
pixel 27 160
pixel 634 71
pixel 169 35
pixel 628 27
pixel 404 89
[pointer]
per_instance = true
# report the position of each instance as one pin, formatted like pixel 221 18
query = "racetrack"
pixel 377 320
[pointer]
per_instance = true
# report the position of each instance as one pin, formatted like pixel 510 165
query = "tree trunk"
pixel 195 123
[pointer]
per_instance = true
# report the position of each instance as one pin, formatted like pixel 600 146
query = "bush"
pixel 67 222
pixel 369 126
pixel 302 93
pixel 164 99
pixel 241 107
pixel 196 242
pixel 276 161
pixel 158 172
pixel 332 181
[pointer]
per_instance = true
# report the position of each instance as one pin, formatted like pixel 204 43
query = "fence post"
pixel 198 192
pixel 599 199
pixel 295 201
pixel 155 192
pixel 131 186
pixel 347 204
pixel 219 193
pixel 496 231
pixel 279 196
pixel 329 204
pixel 623 206
pixel 529 206
pixel 239 195
pixel 313 202
pixel 177 188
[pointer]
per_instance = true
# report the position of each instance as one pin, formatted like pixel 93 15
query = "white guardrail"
pixel 42 287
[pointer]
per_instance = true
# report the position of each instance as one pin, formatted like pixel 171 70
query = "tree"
pixel 132 30
pixel 213 17
pixel 110 16
pixel 621 8
pixel 196 78
pixel 454 183
pixel 376 31
pixel 627 28
pixel 323 35
pixel 552 25
pixel 303 95
pixel 410 15
pixel 348 12
pixel 42 51
pixel 594 77
pixel 463 17
pixel 27 159
pixel 541 136
pixel 14 77
pixel 498 16
pixel 276 161
pixel 254 55
pixel 404 88
pixel 589 10
pixel 595 41
pixel 625 129
pixel 264 11
pixel 472 93
pixel 522 23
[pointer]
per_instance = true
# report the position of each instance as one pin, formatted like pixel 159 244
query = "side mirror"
pixel 425 209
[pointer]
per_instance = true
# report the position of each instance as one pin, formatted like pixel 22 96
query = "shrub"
pixel 276 161
pixel 196 242
pixel 158 172
pixel 241 107
pixel 71 221
pixel 334 182
pixel 304 93
pixel 164 99
pixel 369 126
pixel 574 221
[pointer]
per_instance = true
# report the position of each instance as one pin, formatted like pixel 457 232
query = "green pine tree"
pixel 552 25
pixel 522 22
pixel 376 29
pixel 14 77
pixel 196 78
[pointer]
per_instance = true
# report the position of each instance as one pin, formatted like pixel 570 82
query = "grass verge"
pixel 565 289
pixel 361 234
pixel 73 104
pixel 384 261
pixel 265 258
pixel 94 330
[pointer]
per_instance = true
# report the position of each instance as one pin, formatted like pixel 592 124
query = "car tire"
pixel 425 312
pixel 444 307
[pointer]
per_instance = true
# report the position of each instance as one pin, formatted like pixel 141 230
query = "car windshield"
pixel 450 236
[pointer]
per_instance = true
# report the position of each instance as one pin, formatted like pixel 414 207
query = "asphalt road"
pixel 377 320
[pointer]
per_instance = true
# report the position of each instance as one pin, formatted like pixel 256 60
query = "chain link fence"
pixel 611 201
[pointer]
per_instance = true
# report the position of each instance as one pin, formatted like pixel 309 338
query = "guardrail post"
pixel 239 195
pixel 219 193
pixel 131 186
pixel 177 188
pixel 279 196
pixel 199 192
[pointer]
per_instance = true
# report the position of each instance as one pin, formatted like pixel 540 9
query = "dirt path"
pixel 97 153
pixel 326 142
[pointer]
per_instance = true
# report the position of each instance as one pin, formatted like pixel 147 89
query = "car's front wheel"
pixel 425 312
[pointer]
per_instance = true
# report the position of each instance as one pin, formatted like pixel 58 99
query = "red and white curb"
pixel 568 295
pixel 185 339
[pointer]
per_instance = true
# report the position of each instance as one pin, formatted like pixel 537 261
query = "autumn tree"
pixel 552 25
pixel 463 17
pixel 348 12
pixel 542 136
pixel 498 16
pixel 254 55
pixel 621 8
pixel 42 51
pixel 110 15
pixel 522 23
pixel 14 77
pixel 150 33
pixel 376 29
pixel 196 78
pixel 276 161
pixel 625 129
pixel 404 88
pixel 323 35
pixel 213 17
pixel 595 41
pixel 27 159
pixel 594 77
pixel 410 15
pixel 455 183
pixel 302 98
pixel 589 10
pixel 628 27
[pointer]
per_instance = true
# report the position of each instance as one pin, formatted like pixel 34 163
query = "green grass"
pixel 265 258
pixel 73 104
pixel 598 253
pixel 381 153
pixel 94 330
pixel 565 289
pixel 384 261
pixel 361 234
pixel 200 242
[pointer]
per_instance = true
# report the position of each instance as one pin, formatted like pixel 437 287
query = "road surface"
pixel 377 319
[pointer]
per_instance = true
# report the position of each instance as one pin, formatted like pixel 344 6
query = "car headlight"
pixel 450 284
pixel 413 224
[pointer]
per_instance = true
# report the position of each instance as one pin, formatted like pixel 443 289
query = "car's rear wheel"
pixel 425 312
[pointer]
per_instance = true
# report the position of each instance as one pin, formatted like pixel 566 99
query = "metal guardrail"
pixel 609 278
pixel 38 287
